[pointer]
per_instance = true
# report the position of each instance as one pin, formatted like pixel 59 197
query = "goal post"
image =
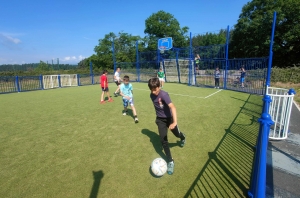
pixel 68 80
pixel 61 80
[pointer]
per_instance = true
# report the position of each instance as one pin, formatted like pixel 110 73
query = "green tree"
pixel 124 48
pixel 210 38
pixel 42 67
pixel 161 25
pixel 251 35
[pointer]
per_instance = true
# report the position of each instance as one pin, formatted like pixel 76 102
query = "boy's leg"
pixel 108 95
pixel 163 130
pixel 125 104
pixel 102 98
pixel 178 134
pixel 136 120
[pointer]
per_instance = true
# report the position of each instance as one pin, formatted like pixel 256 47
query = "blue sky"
pixel 34 30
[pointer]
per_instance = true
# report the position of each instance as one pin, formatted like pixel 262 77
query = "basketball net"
pixel 162 49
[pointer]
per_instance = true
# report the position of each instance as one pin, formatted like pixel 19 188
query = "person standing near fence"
pixel 161 76
pixel 104 86
pixel 117 80
pixel 217 74
pixel 243 74
pixel 197 61
pixel 166 118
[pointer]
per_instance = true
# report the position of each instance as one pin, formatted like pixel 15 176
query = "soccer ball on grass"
pixel 159 166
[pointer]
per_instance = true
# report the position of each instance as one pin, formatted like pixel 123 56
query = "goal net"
pixel 62 80
pixel 67 80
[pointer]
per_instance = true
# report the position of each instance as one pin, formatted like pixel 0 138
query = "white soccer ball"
pixel 159 166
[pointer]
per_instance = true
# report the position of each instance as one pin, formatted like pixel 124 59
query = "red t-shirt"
pixel 103 78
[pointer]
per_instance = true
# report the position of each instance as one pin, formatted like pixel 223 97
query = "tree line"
pixel 250 37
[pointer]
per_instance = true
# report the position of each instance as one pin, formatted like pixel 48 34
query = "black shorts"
pixel 117 83
pixel 105 89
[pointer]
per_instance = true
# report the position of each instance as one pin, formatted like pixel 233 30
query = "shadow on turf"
pixel 98 175
pixel 228 170
pixel 155 140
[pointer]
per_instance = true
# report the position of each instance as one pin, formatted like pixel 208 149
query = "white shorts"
pixel 161 79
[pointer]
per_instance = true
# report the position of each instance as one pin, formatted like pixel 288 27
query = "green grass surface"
pixel 63 143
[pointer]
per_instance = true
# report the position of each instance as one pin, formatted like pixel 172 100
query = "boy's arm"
pixel 174 113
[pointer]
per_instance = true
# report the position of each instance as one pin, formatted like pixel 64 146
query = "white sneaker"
pixel 136 120
pixel 217 87
pixel 124 113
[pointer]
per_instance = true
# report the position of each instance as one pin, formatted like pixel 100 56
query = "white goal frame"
pixel 61 80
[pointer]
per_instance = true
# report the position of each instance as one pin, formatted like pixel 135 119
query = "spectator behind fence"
pixel 197 61
pixel 217 74
pixel 243 74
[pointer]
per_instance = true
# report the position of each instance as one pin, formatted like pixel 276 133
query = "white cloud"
pixel 9 41
pixel 73 58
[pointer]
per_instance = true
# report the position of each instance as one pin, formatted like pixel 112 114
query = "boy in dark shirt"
pixel 166 117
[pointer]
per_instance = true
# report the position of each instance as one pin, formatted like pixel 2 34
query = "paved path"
pixel 283 162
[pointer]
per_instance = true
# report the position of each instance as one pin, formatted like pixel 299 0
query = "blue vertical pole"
pixel 91 72
pixel 17 83
pixel 41 82
pixel 78 80
pixel 226 58
pixel 59 83
pixel 137 61
pixel 270 54
pixel 113 54
pixel 190 60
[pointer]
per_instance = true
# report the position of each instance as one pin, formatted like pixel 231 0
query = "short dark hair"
pixel 104 71
pixel 153 83
pixel 126 78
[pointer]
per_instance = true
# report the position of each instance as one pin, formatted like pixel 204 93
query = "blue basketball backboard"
pixel 165 43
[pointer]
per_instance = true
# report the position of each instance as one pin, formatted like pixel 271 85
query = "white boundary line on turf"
pixel 296 105
pixel 213 94
pixel 184 95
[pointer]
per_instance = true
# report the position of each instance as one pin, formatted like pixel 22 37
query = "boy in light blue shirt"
pixel 126 92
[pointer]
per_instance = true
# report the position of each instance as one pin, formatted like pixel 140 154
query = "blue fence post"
pixel 226 58
pixel 261 141
pixel 17 83
pixel 137 61
pixel 78 79
pixel 41 82
pixel 59 83
pixel 190 60
pixel 113 55
pixel 270 53
pixel 91 73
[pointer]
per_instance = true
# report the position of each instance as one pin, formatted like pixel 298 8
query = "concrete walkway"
pixel 283 162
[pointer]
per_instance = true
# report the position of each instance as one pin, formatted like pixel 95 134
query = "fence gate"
pixel 280 111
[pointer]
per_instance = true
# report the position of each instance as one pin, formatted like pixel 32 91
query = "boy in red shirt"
pixel 104 86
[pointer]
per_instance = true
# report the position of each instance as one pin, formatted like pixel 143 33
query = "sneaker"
pixel 217 87
pixel 182 143
pixel 170 169
pixel 136 120
pixel 116 95
pixel 110 100
pixel 124 113
pixel 102 102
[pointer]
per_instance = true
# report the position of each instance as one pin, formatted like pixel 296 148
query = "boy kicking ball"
pixel 126 92
pixel 166 118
